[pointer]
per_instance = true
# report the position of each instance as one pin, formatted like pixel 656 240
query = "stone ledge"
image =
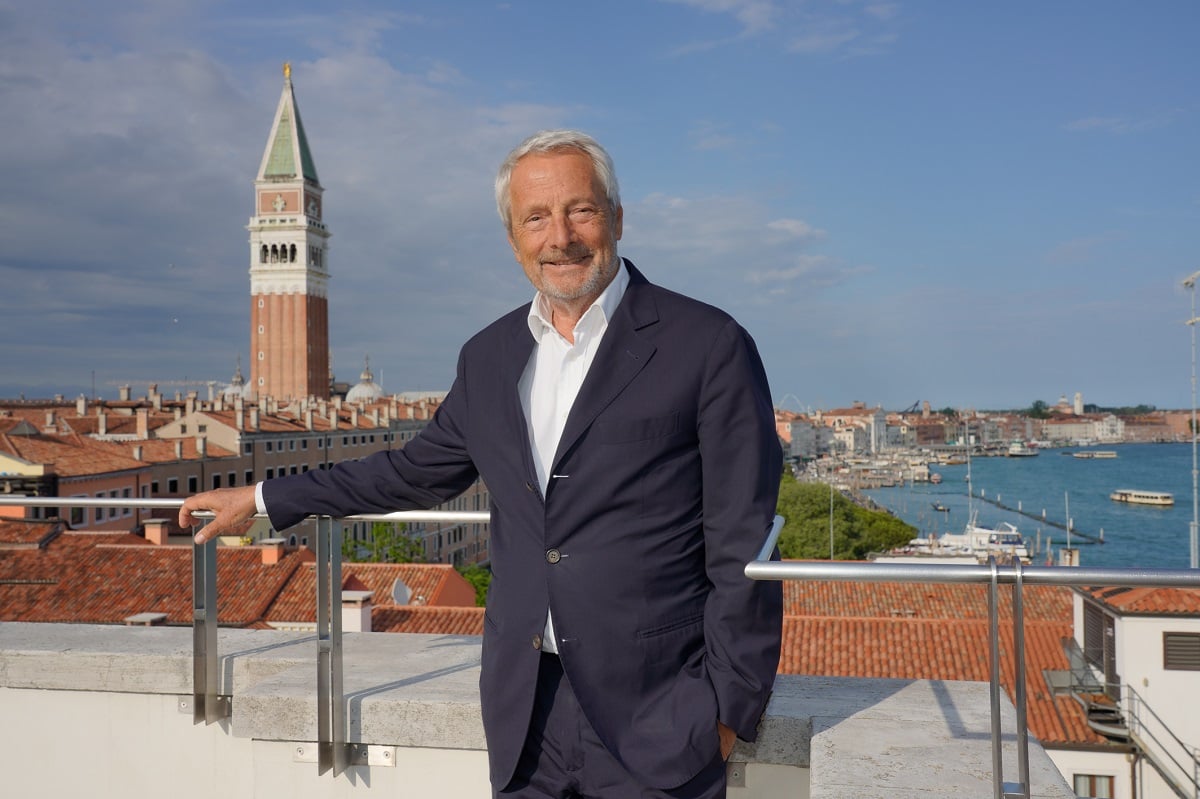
pixel 857 738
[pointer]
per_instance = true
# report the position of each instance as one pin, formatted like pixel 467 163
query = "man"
pixel 627 439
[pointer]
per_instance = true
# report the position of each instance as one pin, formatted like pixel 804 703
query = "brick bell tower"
pixel 289 273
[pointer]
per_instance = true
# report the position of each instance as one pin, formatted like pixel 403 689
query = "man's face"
pixel 563 233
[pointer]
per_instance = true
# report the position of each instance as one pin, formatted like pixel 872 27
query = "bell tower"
pixel 289 273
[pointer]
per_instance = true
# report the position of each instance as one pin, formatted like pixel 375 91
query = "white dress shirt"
pixel 552 379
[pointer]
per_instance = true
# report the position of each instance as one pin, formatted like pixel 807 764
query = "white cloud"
pixel 1123 125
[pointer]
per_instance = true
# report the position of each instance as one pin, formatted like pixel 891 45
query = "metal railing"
pixel 991 575
pixel 336 754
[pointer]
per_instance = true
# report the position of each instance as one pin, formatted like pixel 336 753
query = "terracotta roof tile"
pixel 22 534
pixel 432 584
pixel 1148 601
pixel 426 619
pixel 103 578
pixel 72 455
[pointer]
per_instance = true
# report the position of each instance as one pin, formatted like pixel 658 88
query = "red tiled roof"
pixel 104 578
pixel 72 455
pixel 1148 601
pixel 426 619
pixel 22 534
pixel 938 649
pixel 919 600
pixel 433 584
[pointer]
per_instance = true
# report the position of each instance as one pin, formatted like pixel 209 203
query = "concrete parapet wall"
pixel 96 710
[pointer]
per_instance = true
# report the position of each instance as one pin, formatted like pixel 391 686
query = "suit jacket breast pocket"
pixel 625 431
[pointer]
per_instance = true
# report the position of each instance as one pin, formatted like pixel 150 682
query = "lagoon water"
pixel 1134 535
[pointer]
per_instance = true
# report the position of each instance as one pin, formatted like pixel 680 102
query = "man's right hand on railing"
pixel 234 509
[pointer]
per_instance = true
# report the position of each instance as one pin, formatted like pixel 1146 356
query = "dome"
pixel 366 390
pixel 237 387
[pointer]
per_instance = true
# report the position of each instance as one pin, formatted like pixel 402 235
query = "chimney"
pixel 178 413
pixel 124 393
pixel 179 449
pixel 211 388
pixel 356 611
pixel 353 417
pixel 51 422
pixel 201 446
pixel 239 418
pixel 411 415
pixel 375 416
pixel 219 403
pixel 308 419
pixel 191 403
pixel 137 452
pixel 102 422
pixel 155 398
pixel 143 423
pixel 81 405
pixel 157 531
pixel 254 418
pixel 272 550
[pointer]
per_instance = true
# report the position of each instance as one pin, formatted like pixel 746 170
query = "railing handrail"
pixel 991 575
pixel 176 503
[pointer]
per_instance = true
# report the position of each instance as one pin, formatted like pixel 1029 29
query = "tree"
pixel 1038 410
pixel 857 531
pixel 388 543
pixel 479 577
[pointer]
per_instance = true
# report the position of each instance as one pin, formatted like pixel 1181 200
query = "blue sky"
pixel 978 205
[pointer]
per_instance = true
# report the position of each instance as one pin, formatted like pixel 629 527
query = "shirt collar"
pixel 605 305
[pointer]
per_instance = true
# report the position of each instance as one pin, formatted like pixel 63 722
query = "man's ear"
pixel 619 219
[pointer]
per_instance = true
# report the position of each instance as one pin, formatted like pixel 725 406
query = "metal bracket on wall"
pixel 222 707
pixel 357 754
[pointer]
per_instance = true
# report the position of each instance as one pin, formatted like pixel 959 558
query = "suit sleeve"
pixel 431 468
pixel 741 462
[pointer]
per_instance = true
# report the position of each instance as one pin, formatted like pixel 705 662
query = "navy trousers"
pixel 564 759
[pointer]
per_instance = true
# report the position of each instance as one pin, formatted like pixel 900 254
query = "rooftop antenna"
pixel 1190 283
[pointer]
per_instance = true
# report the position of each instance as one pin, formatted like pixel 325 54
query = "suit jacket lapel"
pixel 622 354
pixel 517 347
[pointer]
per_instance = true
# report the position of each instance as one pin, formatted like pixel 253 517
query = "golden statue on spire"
pixel 287 70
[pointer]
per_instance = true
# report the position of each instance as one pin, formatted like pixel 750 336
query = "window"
pixel 304 444
pixel 249 476
pixel 192 483
pixel 270 474
pixel 292 445
pixel 1181 651
pixel 293 471
pixel 201 428
pixel 216 480
pixel 1093 786
pixel 145 491
pixel 183 429
pixel 247 449
pixel 127 493
pixel 172 485
pixel 112 512
pixel 154 487
pixel 270 444
pixel 320 443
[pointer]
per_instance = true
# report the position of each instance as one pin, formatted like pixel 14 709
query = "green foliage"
pixel 388 544
pixel 948 412
pixel 1038 410
pixel 856 531
pixel 479 577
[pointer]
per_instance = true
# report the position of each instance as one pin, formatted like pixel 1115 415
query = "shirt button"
pixel 553 556
pixel 537 642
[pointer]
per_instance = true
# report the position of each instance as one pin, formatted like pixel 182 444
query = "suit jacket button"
pixel 537 642
pixel 553 556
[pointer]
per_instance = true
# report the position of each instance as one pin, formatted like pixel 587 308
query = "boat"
pixel 1004 542
pixel 940 507
pixel 1136 497
pixel 1018 449
pixel 935 478
pixel 1095 453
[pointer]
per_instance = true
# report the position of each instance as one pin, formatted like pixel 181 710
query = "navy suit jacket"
pixel 663 488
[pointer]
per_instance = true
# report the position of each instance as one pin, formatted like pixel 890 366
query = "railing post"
pixel 207 706
pixel 332 751
pixel 994 682
pixel 1018 624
